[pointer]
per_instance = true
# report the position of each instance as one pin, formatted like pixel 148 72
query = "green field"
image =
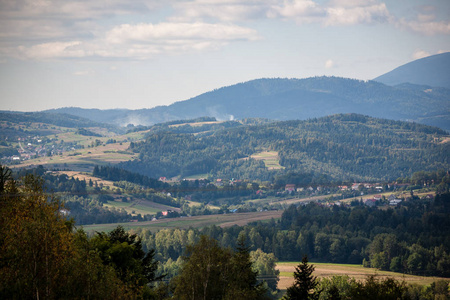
pixel 355 271
pixel 225 220
pixel 142 207
pixel 270 159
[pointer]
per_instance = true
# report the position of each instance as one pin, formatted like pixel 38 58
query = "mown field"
pixel 225 220
pixel 358 272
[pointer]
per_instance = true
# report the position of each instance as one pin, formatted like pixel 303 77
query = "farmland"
pixel 224 220
pixel 358 272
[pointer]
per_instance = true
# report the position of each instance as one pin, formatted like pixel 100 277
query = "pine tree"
pixel 305 283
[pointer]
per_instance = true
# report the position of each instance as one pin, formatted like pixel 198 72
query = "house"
pixel 289 188
pixel 356 186
pixel 377 197
pixel 370 202
pixel 395 202
pixel 343 187
pixel 391 197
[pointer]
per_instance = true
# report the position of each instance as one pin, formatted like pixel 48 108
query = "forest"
pixel 344 147
pixel 410 239
pixel 216 263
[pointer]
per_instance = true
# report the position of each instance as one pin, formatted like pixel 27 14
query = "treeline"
pixel 86 132
pixel 412 238
pixel 345 147
pixel 64 120
pixel 116 174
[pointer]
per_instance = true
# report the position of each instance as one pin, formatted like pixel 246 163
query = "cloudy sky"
pixel 141 54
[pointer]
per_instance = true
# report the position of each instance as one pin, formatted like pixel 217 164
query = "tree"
pixel 36 243
pixel 41 257
pixel 212 272
pixel 123 251
pixel 265 264
pixel 243 283
pixel 305 283
pixel 205 273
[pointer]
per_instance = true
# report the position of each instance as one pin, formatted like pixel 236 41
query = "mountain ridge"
pixel 431 70
pixel 296 99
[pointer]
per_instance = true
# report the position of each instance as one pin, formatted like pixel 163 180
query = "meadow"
pixel 358 272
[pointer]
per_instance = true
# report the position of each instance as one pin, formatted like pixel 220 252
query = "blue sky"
pixel 141 54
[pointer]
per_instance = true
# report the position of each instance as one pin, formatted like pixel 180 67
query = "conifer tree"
pixel 305 283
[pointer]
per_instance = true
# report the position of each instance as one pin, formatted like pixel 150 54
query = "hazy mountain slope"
pixel 432 70
pixel 288 99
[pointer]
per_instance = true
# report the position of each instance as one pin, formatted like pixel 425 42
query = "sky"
pixel 141 54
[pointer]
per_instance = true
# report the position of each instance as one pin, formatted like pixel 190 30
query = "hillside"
pixel 295 99
pixel 339 147
pixel 433 71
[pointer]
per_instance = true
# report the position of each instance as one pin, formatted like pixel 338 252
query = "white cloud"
pixel 426 28
pixel 302 11
pixel 350 15
pixel 150 33
pixel 141 41
pixel 228 11
pixel 420 54
pixel 329 64
pixel 51 50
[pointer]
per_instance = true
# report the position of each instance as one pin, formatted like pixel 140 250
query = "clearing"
pixel 270 159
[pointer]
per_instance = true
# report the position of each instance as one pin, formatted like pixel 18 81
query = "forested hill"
pixel 296 99
pixel 59 119
pixel 339 147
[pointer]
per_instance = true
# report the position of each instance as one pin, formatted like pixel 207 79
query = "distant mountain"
pixel 432 71
pixel 294 99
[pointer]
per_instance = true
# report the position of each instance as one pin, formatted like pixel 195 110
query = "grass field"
pixel 227 220
pixel 138 206
pixel 108 154
pixel 358 272
pixel 270 159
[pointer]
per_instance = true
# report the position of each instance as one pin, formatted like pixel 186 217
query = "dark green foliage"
pixel 86 132
pixel 345 147
pixel 305 283
pixel 344 287
pixel 123 251
pixel 116 174
pixel 41 257
pixel 412 238
pixel 212 272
